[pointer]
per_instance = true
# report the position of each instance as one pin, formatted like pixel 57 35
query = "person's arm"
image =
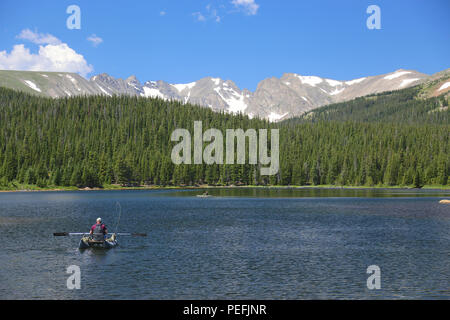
pixel 105 230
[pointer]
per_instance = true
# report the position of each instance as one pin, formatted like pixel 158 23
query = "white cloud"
pixel 199 16
pixel 215 16
pixel 38 38
pixel 162 13
pixel 250 7
pixel 54 56
pixel 95 40
pixel 211 14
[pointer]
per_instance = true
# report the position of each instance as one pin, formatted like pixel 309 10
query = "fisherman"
pixel 98 230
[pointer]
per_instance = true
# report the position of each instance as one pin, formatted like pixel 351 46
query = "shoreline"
pixel 120 188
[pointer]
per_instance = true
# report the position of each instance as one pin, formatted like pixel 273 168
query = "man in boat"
pixel 98 231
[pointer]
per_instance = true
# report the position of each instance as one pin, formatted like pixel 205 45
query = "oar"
pixel 65 234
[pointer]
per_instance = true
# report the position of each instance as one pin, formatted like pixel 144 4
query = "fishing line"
pixel 120 214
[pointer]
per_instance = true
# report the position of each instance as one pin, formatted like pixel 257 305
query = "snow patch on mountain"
pixel 186 99
pixel 236 104
pixel 337 91
pixel 74 81
pixel 32 85
pixel 216 81
pixel 444 86
pixel 352 82
pixel 333 83
pixel 227 88
pixel 273 116
pixel 407 81
pixel 182 86
pixel 103 90
pixel 311 80
pixel 235 101
pixel 396 75
pixel 153 93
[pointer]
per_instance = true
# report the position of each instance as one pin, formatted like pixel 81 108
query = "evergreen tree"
pixel 384 139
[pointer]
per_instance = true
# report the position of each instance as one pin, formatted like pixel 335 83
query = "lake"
pixel 241 243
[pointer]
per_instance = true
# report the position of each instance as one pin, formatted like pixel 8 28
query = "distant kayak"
pixel 87 242
pixel 204 195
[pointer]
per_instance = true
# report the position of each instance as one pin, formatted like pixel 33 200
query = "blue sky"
pixel 245 40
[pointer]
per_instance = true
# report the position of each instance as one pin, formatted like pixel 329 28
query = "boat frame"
pixel 87 242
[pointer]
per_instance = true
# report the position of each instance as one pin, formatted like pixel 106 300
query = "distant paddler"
pixel 204 195
pixel 445 201
pixel 98 231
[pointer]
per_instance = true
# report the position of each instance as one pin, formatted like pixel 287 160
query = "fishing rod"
pixel 65 234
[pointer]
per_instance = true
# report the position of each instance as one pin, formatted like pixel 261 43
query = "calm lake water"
pixel 239 244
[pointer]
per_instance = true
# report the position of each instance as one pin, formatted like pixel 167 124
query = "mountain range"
pixel 274 99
